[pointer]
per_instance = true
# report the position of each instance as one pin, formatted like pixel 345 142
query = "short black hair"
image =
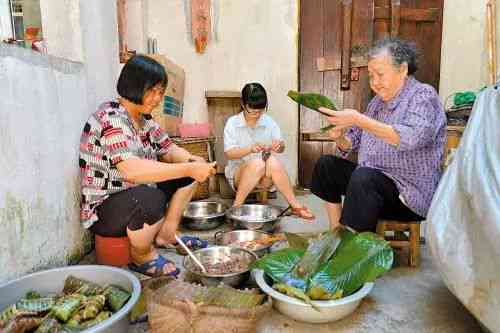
pixel 140 74
pixel 401 51
pixel 254 95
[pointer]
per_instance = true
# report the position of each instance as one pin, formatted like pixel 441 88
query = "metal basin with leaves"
pixel 326 311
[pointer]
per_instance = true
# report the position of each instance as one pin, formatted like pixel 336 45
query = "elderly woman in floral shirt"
pixel 400 142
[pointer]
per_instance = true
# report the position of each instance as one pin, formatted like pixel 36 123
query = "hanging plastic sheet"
pixel 464 218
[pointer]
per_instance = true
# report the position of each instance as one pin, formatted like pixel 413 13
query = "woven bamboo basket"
pixel 198 147
pixel 168 313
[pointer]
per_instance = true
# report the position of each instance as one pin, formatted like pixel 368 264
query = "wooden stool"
pixel 262 196
pixel 400 240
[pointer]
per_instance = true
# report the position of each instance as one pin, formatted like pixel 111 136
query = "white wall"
pixel 464 55
pixel 99 25
pixel 42 112
pixel 44 102
pixel 5 22
pixel 62 28
pixel 257 41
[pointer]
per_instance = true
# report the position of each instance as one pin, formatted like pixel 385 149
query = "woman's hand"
pixel 257 148
pixel 344 118
pixel 201 171
pixel 337 132
pixel 277 146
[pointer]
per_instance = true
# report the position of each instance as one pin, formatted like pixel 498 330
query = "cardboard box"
pixel 169 113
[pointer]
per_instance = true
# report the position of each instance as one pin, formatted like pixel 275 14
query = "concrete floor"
pixel 403 300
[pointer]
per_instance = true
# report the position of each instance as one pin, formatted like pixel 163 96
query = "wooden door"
pixel 334 37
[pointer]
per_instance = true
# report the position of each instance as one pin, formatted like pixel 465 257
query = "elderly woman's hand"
pixel 337 132
pixel 345 118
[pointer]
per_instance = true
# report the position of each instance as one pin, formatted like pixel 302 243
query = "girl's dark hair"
pixel 401 51
pixel 140 74
pixel 254 95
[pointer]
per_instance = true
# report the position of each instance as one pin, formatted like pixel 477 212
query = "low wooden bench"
pixel 402 241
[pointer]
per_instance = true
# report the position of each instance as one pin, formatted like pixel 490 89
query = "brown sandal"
pixel 303 213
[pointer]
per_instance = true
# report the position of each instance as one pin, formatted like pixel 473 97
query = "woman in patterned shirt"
pixel 400 143
pixel 131 169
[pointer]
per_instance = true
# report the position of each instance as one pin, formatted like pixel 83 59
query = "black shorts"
pixel 134 207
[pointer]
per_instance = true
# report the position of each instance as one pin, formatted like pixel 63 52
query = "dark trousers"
pixel 134 207
pixel 369 194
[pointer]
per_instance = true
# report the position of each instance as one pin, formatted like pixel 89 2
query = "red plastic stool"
pixel 112 251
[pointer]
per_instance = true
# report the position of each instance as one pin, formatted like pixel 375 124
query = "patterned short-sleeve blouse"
pixel 108 138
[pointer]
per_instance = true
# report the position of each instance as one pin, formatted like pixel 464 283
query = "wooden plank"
pixel 333 62
pixel 358 96
pixel 312 18
pixel 312 21
pixel 395 17
pixel 345 79
pixel 427 36
pixel 381 28
pixel 399 244
pixel 421 22
pixel 310 152
pixel 460 129
pixel 222 94
pixel 331 81
pixel 219 110
pixel 414 257
pixel 315 136
pixel 409 14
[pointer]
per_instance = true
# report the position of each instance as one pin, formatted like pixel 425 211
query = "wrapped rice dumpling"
pixel 66 306
pixel 49 325
pixel 116 297
pixel 32 295
pixel 102 316
pixel 75 320
pixel 38 305
pixel 73 285
pixel 93 306
pixel 8 313
pixel 21 323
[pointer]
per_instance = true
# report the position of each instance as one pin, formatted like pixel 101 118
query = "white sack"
pixel 464 219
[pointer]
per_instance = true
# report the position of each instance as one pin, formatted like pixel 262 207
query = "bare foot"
pixel 163 242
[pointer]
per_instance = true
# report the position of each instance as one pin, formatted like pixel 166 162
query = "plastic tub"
pixel 298 310
pixel 52 281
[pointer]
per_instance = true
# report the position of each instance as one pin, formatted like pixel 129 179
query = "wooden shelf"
pixel 315 136
pixel 222 94
pixel 460 129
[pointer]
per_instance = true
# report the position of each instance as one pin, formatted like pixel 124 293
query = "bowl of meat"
pixel 224 264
